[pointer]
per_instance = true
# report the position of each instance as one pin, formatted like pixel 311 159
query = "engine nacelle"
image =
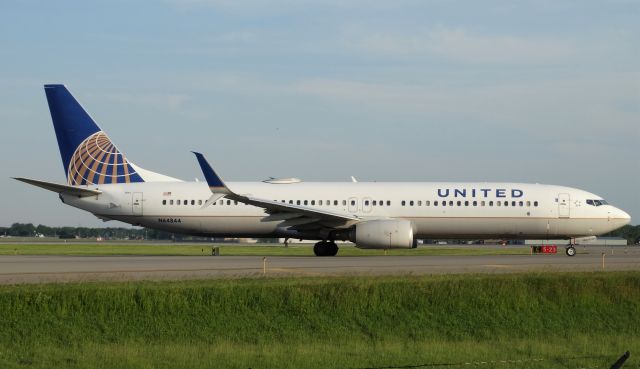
pixel 383 234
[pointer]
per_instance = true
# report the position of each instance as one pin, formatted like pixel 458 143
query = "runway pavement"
pixel 38 269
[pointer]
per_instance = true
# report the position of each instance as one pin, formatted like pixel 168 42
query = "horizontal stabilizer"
pixel 60 188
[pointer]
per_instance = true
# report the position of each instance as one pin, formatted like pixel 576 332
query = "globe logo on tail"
pixel 98 161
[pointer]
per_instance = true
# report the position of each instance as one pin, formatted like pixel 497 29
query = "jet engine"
pixel 383 234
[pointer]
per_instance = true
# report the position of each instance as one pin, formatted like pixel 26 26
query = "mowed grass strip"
pixel 238 250
pixel 557 320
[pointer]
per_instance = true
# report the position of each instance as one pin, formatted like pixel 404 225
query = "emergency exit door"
pixel 136 203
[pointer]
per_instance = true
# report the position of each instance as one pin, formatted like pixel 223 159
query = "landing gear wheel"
pixel 571 251
pixel 332 248
pixel 325 248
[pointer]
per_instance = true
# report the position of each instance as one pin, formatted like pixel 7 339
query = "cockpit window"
pixel 597 202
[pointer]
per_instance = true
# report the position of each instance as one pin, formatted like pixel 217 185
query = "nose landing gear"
pixel 570 250
pixel 325 248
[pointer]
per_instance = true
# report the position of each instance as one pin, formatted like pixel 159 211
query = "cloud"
pixel 597 105
pixel 167 101
pixel 238 37
pixel 457 44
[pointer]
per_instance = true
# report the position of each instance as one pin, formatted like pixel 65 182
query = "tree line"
pixel 30 230
pixel 629 232
pixel 111 233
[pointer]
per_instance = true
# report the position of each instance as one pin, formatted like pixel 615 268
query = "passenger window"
pixel 228 202
pixel 235 203
pixel 297 202
pixel 411 202
pixel 427 203
pixel 353 202
pixel 186 202
pixel 403 203
pixel 344 202
pixel 375 202
pixel 528 203
pixel 466 203
pixel 450 203
pixel 177 202
pixel 388 203
pixel 444 203
pixel 320 202
pixel 498 203
pixel 366 202
pixel 521 203
pixel 513 203
pixel 193 202
pixel 535 203
pixel 291 202
pixel 506 203
pixel 164 202
pixel 475 203
pixel 482 203
pixel 420 203
pixel 458 203
pixel 313 202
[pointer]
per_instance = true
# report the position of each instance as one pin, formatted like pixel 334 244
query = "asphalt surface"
pixel 16 269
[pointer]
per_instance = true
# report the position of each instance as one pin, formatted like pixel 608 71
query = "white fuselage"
pixel 436 210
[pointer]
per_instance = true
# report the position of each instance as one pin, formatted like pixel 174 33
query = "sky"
pixel 430 90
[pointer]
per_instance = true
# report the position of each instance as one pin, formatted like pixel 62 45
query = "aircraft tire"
pixel 571 251
pixel 333 249
pixel 325 248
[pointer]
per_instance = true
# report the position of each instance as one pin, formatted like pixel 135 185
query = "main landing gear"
pixel 325 248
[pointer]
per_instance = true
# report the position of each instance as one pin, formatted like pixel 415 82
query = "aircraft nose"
pixel 623 216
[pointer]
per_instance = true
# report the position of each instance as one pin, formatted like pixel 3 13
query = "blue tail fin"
pixel 88 155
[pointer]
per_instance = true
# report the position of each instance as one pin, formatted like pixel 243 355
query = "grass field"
pixel 235 250
pixel 561 320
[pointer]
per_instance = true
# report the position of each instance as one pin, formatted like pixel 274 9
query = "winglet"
pixel 213 180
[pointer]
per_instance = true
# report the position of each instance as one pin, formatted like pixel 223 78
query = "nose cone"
pixel 624 216
pixel 620 216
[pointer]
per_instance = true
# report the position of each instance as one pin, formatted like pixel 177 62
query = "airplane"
pixel 373 215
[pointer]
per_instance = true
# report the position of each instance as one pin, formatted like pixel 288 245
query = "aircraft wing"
pixel 60 188
pixel 293 216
